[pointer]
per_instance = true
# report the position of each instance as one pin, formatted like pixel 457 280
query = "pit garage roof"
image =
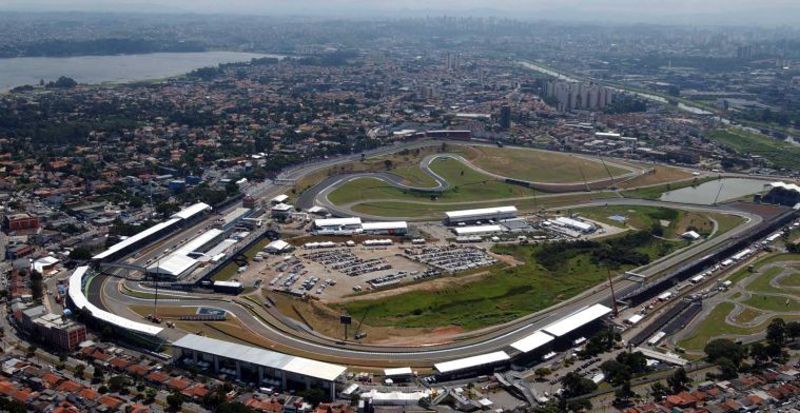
pixel 174 265
pixel 199 242
pixel 278 245
pixel 79 300
pixel 193 210
pixel 471 362
pixel 337 222
pixel 478 229
pixel 532 342
pixel 784 185
pixel 136 238
pixel 384 226
pixel 261 357
pixel 480 212
pixel 280 199
pixel 402 371
pixel 577 320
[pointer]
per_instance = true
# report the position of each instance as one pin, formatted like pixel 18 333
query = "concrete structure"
pixel 251 364
pixel 482 214
pixel 574 322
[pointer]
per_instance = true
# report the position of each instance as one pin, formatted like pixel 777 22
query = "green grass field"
pixel 432 209
pixel 503 295
pixel 782 154
pixel 465 185
pixel 645 217
pixel 773 303
pixel 537 166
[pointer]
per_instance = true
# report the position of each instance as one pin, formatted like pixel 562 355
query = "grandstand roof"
pixel 261 357
pixel 136 238
pixel 78 299
pixel 199 242
pixel 577 320
pixel 174 265
pixel 471 362
pixel 532 342
pixel 192 210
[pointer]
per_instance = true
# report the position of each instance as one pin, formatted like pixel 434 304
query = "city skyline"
pixel 738 12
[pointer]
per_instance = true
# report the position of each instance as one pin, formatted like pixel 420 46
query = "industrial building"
pixel 478 230
pixel 573 225
pixel 385 228
pixel 338 226
pixel 354 226
pixel 256 365
pixel 483 214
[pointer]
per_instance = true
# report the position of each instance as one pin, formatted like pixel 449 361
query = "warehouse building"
pixel 338 226
pixel 483 214
pixel 385 228
pixel 256 365
pixel 478 230
pixel 574 225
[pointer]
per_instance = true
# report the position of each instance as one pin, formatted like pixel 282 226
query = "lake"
pixel 705 193
pixel 20 71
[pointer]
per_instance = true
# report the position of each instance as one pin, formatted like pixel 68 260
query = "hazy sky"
pixel 756 12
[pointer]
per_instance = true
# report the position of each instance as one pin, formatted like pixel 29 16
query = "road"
pixel 275 328
pixel 278 331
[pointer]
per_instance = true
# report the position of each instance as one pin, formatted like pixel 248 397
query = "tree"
pixel 387 163
pixel 174 402
pixel 541 372
pixel 623 394
pixel 677 381
pixel 150 395
pixel 233 407
pixel 793 328
pixel 776 332
pixel 575 385
pixel 79 369
pixel 728 370
pixel 658 390
pixel 97 376
pixel 117 383
pixel 723 347
pixel 314 395
pixel 758 352
pixel 616 373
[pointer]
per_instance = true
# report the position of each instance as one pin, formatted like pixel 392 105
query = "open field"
pixel 230 270
pixel 537 166
pixel 645 217
pixel 782 154
pixel 434 210
pixel 660 174
pixel 747 315
pixel 500 296
pixel 773 303
pixel 655 192
pixel 466 185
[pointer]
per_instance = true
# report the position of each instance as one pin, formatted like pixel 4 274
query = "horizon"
pixel 776 13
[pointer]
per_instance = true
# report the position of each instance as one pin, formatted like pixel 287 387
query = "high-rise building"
pixel 505 117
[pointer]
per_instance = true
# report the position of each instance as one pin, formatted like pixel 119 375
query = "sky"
pixel 745 12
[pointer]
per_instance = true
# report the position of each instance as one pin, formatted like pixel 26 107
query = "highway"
pixel 286 336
